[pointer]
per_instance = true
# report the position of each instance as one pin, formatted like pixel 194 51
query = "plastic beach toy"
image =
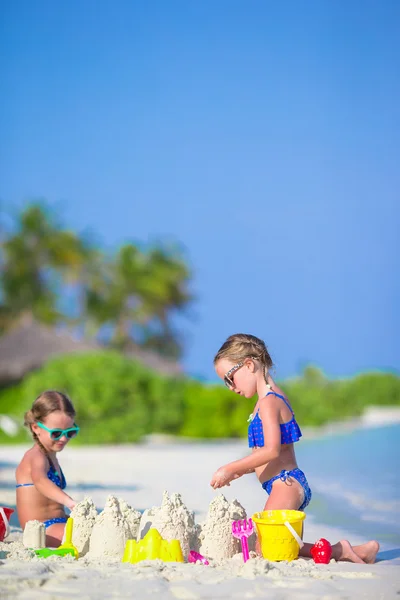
pixel 242 530
pixel 151 547
pixel 193 557
pixel 66 548
pixel 280 533
pixel 5 514
pixel 321 551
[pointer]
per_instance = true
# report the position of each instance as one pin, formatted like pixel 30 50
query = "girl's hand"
pixel 223 476
pixel 71 504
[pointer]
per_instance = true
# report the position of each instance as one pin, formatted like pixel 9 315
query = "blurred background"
pixel 175 172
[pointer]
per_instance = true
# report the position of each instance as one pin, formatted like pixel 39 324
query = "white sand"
pixel 181 468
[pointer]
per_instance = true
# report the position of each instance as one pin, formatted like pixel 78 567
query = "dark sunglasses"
pixel 56 434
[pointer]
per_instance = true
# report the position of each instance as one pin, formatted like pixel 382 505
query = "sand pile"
pixel 216 537
pixel 116 524
pixel 15 551
pixel 132 517
pixel 174 521
pixel 84 515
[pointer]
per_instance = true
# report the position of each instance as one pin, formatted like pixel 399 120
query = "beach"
pixel 140 474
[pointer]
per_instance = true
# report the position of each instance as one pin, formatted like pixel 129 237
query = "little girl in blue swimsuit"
pixel 40 480
pixel 243 363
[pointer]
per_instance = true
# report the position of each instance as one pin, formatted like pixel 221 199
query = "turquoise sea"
pixel 355 482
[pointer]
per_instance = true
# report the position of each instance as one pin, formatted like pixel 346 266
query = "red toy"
pixel 5 514
pixel 322 551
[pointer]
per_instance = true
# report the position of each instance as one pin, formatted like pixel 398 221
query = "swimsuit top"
pixel 290 432
pixel 53 475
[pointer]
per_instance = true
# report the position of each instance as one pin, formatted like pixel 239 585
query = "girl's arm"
pixel 269 415
pixel 39 467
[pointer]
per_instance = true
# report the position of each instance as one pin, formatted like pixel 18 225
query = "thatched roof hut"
pixel 30 345
pixel 154 361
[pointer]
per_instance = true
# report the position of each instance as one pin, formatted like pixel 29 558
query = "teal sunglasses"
pixel 56 434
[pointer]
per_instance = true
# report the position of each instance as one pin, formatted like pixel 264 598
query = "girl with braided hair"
pixel 40 480
pixel 243 363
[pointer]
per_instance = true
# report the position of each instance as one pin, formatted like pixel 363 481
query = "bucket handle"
pixel 294 534
pixel 3 514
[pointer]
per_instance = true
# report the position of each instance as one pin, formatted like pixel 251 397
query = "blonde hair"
pixel 45 404
pixel 240 346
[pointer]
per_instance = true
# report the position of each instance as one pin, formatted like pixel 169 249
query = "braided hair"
pixel 240 346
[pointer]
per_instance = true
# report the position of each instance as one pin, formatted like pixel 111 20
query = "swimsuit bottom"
pixel 53 521
pixel 298 476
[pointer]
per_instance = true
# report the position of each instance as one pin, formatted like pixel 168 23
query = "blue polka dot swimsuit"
pixel 59 480
pixel 290 433
pixel 53 475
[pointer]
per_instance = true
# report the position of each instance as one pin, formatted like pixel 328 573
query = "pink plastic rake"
pixel 242 530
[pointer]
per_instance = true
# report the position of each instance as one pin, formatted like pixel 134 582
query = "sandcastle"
pixel 84 515
pixel 34 535
pixel 173 521
pixel 105 535
pixel 216 537
pixel 116 524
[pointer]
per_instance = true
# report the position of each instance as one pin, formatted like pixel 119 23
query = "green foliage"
pixel 34 257
pixel 117 400
pixel 120 401
pixel 212 411
pixel 134 292
pixel 317 400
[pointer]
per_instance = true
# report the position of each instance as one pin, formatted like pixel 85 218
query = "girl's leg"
pixel 289 495
pixel 343 550
pixel 285 495
pixel 54 535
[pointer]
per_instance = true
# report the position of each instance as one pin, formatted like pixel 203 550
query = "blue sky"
pixel 263 136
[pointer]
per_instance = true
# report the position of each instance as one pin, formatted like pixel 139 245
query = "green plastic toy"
pixel 66 548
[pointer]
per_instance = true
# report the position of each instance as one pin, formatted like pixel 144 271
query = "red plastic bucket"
pixel 5 514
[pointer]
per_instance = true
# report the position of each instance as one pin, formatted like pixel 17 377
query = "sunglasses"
pixel 228 377
pixel 56 434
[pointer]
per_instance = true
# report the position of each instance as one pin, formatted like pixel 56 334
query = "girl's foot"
pixel 367 551
pixel 364 553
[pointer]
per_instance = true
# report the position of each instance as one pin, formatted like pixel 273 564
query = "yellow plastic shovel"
pixel 68 545
pixel 66 548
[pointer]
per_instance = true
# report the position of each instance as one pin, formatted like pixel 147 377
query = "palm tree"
pixel 138 293
pixel 36 258
pixel 167 293
pixel 113 298
pixel 132 295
